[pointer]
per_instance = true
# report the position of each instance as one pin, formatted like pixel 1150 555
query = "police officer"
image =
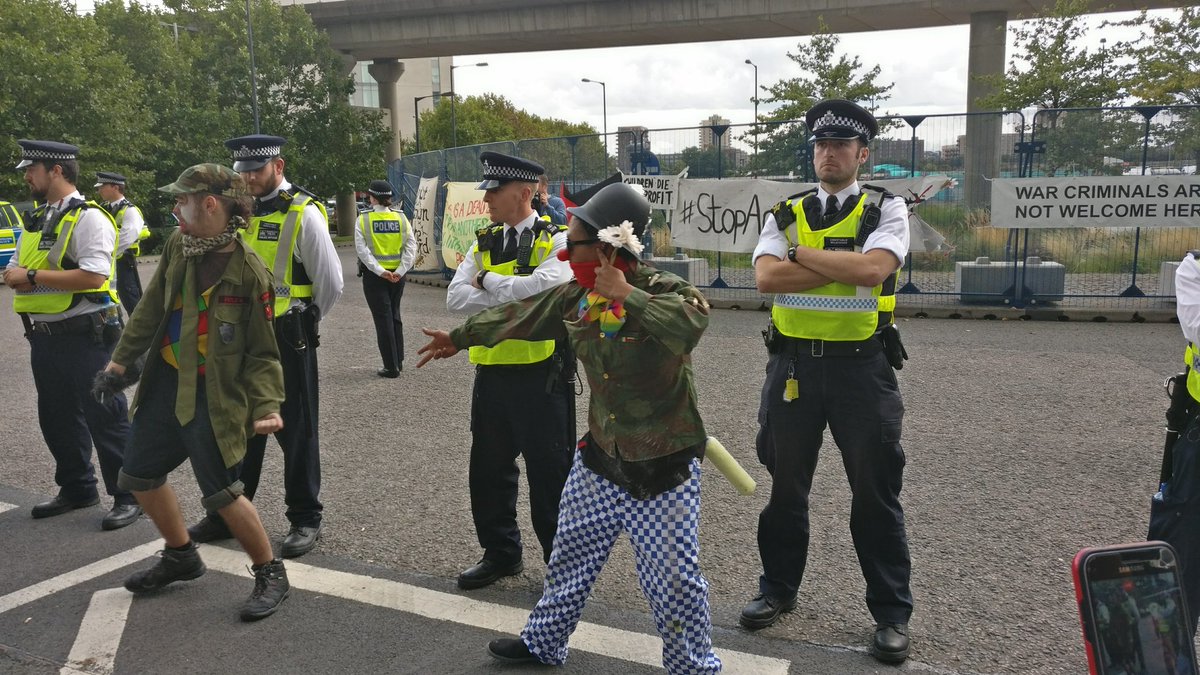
pixel 62 274
pixel 290 231
pixel 386 251
pixel 523 403
pixel 132 229
pixel 831 255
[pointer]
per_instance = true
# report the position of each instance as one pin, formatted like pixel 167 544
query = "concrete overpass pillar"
pixel 981 156
pixel 387 73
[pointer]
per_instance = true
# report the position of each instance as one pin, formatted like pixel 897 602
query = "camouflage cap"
pixel 213 178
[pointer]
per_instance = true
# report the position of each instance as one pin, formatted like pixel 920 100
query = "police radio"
pixel 525 252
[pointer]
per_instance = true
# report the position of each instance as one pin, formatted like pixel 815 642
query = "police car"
pixel 10 231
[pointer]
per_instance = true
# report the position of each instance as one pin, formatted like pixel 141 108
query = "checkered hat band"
pixel 45 154
pixel 831 120
pixel 257 153
pixel 508 173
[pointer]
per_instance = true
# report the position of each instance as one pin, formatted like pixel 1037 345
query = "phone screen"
pixel 1137 614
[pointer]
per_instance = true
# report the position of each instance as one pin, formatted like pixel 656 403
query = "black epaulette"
pixel 784 215
pixel 305 191
pixel 883 193
pixel 1194 253
pixel 485 237
pixel 540 226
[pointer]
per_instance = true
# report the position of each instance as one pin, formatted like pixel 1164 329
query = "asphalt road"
pixel 1026 441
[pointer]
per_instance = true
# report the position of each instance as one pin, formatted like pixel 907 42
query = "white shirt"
pixel 891 235
pixel 498 288
pixel 131 226
pixel 314 249
pixel 407 256
pixel 91 246
pixel 1187 298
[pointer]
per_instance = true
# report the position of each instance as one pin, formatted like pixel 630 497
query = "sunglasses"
pixel 580 242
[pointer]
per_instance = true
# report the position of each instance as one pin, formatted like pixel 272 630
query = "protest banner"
pixel 1096 201
pixel 465 213
pixel 424 206
pixel 727 215
pixel 660 190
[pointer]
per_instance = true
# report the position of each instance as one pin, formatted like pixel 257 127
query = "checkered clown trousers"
pixel 664 534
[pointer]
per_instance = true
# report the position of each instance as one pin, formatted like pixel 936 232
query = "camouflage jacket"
pixel 643 402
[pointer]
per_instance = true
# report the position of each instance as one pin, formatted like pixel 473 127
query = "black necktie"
pixel 510 244
pixel 831 207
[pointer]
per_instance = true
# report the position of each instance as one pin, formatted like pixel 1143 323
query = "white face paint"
pixel 190 213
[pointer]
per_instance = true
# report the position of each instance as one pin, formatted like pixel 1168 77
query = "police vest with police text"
pixel 383 232
pixel 536 244
pixel 274 237
pixel 45 248
pixel 837 312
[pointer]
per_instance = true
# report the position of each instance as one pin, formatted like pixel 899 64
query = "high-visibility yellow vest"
pixel 383 231
pixel 836 312
pixel 515 352
pixel 46 249
pixel 273 237
pixel 119 218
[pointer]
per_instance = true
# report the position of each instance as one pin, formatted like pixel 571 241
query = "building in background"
pixel 708 137
pixel 421 77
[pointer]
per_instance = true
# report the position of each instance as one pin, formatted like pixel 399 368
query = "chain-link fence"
pixel 1128 268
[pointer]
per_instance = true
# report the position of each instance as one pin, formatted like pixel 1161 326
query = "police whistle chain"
pixel 729 467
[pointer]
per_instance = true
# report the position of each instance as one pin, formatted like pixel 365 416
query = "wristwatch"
pixel 792 254
pixel 479 278
pixel 31 275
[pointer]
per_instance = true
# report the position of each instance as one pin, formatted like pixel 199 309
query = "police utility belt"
pixel 95 324
pixel 887 340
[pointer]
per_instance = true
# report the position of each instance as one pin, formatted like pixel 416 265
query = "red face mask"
pixel 585 273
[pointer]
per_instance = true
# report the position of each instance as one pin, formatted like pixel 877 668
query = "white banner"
pixel 465 213
pixel 422 224
pixel 660 190
pixel 1096 201
pixel 727 215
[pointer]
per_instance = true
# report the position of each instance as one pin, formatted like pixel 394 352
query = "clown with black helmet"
pixel 637 469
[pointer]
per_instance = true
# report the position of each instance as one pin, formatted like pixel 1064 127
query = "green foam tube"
pixel 729 467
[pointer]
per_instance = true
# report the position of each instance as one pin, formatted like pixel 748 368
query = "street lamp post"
pixel 253 69
pixel 417 115
pixel 755 100
pixel 453 118
pixel 604 113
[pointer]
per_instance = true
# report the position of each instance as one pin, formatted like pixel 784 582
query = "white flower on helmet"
pixel 622 236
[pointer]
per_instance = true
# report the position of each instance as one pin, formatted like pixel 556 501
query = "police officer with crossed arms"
pixel 831 256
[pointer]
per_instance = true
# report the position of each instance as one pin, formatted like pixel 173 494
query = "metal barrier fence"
pixel 1126 268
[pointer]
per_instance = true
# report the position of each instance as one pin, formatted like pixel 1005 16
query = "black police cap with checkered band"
pixel 37 151
pixel 499 168
pixel 839 119
pixel 254 151
pixel 109 178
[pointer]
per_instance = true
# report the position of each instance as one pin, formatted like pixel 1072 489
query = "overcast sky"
pixel 679 85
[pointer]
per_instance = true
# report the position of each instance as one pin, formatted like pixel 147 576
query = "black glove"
pixel 107 384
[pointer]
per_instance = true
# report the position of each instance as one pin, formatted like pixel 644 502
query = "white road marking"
pixel 612 642
pixel 6 507
pixel 95 648
pixel 79 576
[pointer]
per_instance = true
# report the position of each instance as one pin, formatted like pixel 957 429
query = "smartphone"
pixel 1132 609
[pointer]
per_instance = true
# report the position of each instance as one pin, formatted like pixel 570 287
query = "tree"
pixel 824 74
pixel 1050 71
pixel 491 118
pixel 49 89
pixel 1166 62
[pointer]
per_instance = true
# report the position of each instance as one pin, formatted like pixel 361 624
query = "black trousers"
pixel 298 439
pixel 858 398
pixel 512 413
pixel 1176 518
pixel 383 299
pixel 129 284
pixel 72 421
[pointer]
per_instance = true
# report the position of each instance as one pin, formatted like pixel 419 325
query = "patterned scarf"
pixel 195 246
pixel 611 313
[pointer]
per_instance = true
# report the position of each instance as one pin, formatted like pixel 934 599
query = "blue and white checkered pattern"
pixel 664 532
pixel 828 303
